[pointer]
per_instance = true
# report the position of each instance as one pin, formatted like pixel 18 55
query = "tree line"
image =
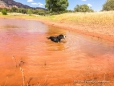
pixel 23 10
pixel 61 5
pixel 57 7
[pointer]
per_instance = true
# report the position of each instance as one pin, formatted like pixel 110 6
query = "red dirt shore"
pixel 100 31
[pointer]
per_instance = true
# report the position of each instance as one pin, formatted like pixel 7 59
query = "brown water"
pixel 71 62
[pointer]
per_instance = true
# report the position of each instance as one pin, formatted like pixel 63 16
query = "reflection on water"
pixel 75 58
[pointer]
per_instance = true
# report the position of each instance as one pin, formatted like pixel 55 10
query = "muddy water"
pixel 27 56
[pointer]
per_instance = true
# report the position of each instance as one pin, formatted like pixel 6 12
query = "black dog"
pixel 56 38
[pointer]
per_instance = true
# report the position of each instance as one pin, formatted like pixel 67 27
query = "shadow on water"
pixel 24 44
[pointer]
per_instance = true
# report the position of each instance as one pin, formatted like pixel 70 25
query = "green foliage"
pixel 29 11
pixel 19 10
pixel 0 9
pixel 70 11
pixel 24 11
pixel 14 9
pixel 56 5
pixel 109 5
pixel 41 12
pixel 4 11
pixel 83 8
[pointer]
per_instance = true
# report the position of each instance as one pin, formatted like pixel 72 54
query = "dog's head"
pixel 61 36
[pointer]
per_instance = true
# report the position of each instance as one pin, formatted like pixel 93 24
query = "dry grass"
pixel 93 18
pixel 21 16
pixel 97 22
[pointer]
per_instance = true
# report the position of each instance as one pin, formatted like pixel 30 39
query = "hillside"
pixel 3 4
pixel 12 3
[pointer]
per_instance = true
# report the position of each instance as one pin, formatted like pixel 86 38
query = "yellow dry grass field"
pixel 93 18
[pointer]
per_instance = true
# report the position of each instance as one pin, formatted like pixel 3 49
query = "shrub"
pixel 4 11
pixel 83 8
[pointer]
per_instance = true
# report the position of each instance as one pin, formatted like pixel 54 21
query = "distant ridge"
pixel 12 3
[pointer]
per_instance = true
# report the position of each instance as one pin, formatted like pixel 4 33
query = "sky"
pixel 94 4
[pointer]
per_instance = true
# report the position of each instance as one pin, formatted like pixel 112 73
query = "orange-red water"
pixel 71 62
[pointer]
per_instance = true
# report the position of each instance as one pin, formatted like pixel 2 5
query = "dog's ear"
pixel 61 35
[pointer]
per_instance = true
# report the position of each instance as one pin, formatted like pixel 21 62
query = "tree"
pixel 109 5
pixel 14 9
pixel 56 5
pixel 83 8
pixel 22 10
